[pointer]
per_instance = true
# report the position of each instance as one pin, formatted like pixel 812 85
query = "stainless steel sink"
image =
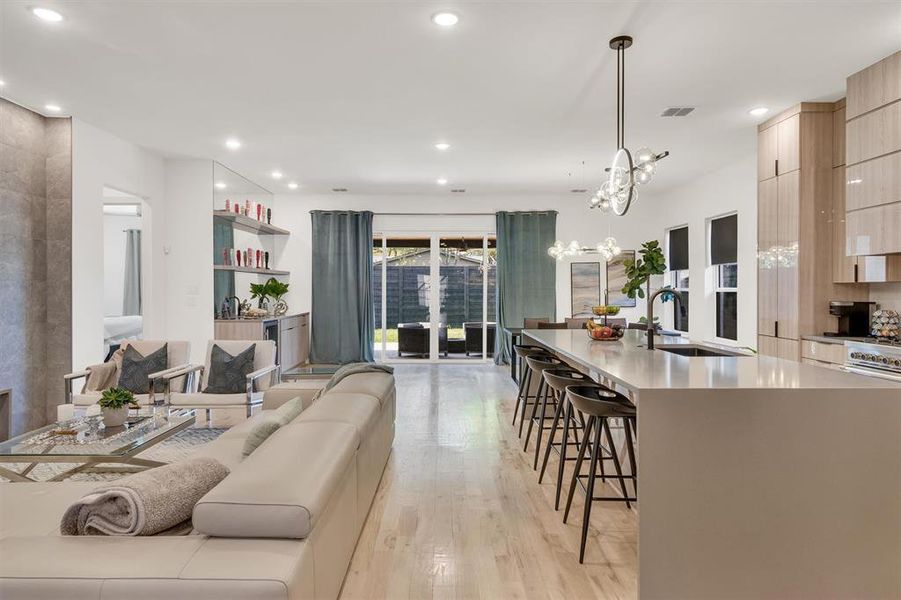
pixel 696 350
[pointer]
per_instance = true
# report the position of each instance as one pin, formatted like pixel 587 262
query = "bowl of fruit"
pixel 607 310
pixel 604 333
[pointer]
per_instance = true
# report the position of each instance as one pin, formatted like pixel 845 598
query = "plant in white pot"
pixel 114 404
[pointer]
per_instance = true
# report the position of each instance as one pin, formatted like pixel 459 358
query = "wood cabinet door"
pixel 874 134
pixel 303 329
pixel 787 234
pixel 838 137
pixel 766 346
pixel 766 153
pixel 787 349
pixel 874 230
pixel 788 149
pixel 873 182
pixel 874 86
pixel 844 267
pixel 767 240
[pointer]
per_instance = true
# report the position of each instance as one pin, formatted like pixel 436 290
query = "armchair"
pixel 473 333
pixel 107 374
pixel 255 383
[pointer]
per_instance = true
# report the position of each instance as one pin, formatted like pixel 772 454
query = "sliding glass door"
pixel 432 296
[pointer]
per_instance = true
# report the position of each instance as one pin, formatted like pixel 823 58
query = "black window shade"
pixel 678 249
pixel 724 240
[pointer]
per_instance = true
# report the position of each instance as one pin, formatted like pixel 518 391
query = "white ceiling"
pixel 354 94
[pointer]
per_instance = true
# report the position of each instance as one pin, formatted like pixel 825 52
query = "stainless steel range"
pixel 874 359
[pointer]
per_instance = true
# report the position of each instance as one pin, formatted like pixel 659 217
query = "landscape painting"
pixel 616 279
pixel 585 287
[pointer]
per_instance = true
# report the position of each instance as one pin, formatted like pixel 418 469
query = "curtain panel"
pixel 131 298
pixel 526 275
pixel 342 308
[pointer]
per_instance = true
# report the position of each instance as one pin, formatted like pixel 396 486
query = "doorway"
pixel 434 297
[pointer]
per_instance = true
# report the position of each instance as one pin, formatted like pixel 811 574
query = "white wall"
pixel 114 240
pixel 100 159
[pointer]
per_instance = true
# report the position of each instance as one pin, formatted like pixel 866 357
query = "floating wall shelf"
pixel 252 225
pixel 236 269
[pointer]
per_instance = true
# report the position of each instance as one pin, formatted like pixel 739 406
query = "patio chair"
pixel 413 338
pixel 253 383
pixel 103 376
pixel 473 334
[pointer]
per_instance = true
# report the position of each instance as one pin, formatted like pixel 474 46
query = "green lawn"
pixel 453 333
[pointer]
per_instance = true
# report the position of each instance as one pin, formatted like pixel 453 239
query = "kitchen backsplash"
pixel 887 295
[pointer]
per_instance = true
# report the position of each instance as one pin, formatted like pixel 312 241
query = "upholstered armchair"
pixel 263 373
pixel 106 375
pixel 413 338
pixel 473 334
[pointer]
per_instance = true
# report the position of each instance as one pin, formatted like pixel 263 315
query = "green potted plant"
pixel 114 404
pixel 260 291
pixel 639 271
pixel 276 289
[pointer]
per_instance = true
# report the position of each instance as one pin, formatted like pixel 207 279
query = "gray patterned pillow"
pixel 228 374
pixel 136 367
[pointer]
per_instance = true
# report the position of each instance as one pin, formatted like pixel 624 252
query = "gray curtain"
pixel 131 299
pixel 341 283
pixel 526 275
pixel 223 281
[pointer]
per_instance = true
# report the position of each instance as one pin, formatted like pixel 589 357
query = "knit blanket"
pixel 353 369
pixel 152 502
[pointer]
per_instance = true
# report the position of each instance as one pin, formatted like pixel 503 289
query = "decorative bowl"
pixel 608 310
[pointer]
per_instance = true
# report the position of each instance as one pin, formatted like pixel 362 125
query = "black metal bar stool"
pixel 558 380
pixel 525 379
pixel 538 363
pixel 601 405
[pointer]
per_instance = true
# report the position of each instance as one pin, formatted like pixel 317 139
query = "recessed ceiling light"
pixel 52 108
pixel 442 146
pixel 759 111
pixel 276 175
pixel 220 185
pixel 45 14
pixel 442 181
pixel 232 144
pixel 445 19
pixel 293 186
pixel 2 83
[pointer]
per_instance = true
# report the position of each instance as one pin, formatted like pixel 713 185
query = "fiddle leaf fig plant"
pixel 640 270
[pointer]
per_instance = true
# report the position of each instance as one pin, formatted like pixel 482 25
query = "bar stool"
pixel 525 378
pixel 538 363
pixel 601 405
pixel 558 380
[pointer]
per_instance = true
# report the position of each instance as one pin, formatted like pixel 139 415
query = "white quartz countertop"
pixel 631 364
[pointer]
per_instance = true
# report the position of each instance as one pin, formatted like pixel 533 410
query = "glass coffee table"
pixel 310 372
pixel 87 443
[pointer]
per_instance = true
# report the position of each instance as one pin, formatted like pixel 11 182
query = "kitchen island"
pixel 758 477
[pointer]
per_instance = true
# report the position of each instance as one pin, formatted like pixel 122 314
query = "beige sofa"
pixel 282 525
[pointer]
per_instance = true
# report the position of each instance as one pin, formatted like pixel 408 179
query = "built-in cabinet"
pixel 873 163
pixel 291 334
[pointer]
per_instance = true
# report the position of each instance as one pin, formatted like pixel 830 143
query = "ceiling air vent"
pixel 677 111
pixel 339 189
pixel 458 191
pixel 578 191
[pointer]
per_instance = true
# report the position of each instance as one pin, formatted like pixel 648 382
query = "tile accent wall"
pixel 35 264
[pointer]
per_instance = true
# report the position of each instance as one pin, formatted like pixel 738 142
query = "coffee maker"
pixel 853 318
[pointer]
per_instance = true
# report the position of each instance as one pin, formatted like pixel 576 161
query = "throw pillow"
pixel 259 432
pixel 136 367
pixel 228 374
pixel 289 411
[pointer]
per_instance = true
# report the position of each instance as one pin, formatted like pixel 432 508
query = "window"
pixel 724 258
pixel 677 276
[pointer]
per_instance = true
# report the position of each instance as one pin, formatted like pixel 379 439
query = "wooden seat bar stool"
pixel 525 379
pixel 558 380
pixel 538 363
pixel 600 405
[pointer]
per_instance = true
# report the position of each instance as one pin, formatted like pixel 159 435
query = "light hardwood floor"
pixel 460 514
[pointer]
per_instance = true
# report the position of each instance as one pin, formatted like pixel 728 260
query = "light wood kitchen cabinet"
pixel 873 134
pixel 873 182
pixel 787 349
pixel 291 333
pixel 823 352
pixel 874 230
pixel 788 156
pixel 875 86
pixel 844 267
pixel 767 153
pixel 766 346
pixel 838 134
pixel 787 237
pixel 767 240
pixel 294 337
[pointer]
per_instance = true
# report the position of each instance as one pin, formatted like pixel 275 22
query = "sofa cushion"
pixel 280 393
pixel 290 410
pixel 280 490
pixel 378 385
pixel 136 367
pixel 359 410
pixel 259 432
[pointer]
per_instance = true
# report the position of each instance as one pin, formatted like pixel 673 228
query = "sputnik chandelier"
pixel 608 249
pixel 627 171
